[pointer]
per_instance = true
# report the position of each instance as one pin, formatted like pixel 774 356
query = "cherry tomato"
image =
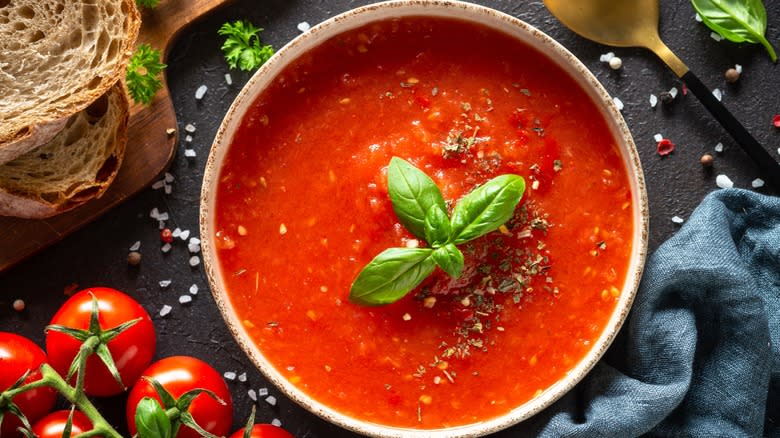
pixel 132 350
pixel 17 356
pixel 179 374
pixel 52 425
pixel 264 431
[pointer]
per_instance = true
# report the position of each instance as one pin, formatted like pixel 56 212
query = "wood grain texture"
pixel 149 150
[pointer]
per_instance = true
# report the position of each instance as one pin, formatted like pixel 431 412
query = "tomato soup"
pixel 302 206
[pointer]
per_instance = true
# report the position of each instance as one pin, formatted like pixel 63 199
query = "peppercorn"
pixel 166 235
pixel 732 75
pixel 133 258
pixel 707 160
pixel 665 97
pixel 19 305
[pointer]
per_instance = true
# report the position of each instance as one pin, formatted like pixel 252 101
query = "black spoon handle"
pixel 770 168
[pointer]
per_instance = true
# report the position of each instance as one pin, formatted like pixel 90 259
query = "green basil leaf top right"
pixel 738 21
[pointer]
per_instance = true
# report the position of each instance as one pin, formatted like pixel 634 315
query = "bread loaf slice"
pixel 56 57
pixel 77 165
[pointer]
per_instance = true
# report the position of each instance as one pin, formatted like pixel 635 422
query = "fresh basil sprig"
pixel 420 207
pixel 738 21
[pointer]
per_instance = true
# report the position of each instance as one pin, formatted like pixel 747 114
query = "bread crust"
pixel 106 53
pixel 19 201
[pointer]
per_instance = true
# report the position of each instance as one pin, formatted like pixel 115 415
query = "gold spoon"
pixel 634 23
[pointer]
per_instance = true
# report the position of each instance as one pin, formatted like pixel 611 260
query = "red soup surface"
pixel 302 206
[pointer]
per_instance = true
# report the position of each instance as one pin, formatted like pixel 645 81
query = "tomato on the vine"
pixel 179 374
pixel 263 431
pixel 52 425
pixel 132 350
pixel 19 355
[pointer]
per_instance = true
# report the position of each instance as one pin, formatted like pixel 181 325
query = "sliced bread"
pixel 77 165
pixel 56 57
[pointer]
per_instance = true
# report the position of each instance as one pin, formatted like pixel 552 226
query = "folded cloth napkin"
pixel 698 356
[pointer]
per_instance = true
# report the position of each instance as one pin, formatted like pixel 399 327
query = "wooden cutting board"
pixel 149 150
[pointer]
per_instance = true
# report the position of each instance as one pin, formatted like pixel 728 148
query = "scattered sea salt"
pixel 304 26
pixel 658 137
pixel 185 299
pixel 155 213
pixel 606 57
pixel 194 289
pixel 719 148
pixel 185 234
pixel 673 91
pixel 162 216
pixel 271 400
pixel 165 248
pixel 778 151
pixel 190 128
pixel 718 94
pixel 189 153
pixel 618 103
pixel 165 283
pixel 194 261
pixel 262 392
pixel 678 220
pixel 158 184
pixel 724 182
pixel 200 92
pixel 242 377
pixel 653 100
pixel 716 36
pixel 168 189
pixel 188 139
pixel 757 183
pixel 698 17
pixel 228 79
pixel 168 177
pixel 194 248
pixel 195 240
pixel 176 232
pixel 229 375
pixel 252 394
pixel 276 422
pixel 166 309
pixel 738 68
pixel 136 246
pixel 161 224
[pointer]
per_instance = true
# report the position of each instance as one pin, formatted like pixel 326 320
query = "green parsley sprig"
pixel 143 74
pixel 243 48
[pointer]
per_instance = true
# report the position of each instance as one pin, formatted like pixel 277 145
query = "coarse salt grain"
pixel 165 283
pixel 276 422
pixel 303 26
pixel 719 148
pixel 190 128
pixel 161 224
pixel 252 394
pixel 168 189
pixel 228 79
pixel 757 183
pixel 166 309
pixel 229 375
pixel 194 261
pixel 166 247
pixel 653 100
pixel 724 182
pixel 194 289
pixel 189 153
pixel 136 246
pixel 195 240
pixel 158 184
pixel 162 217
pixel 716 36
pixel 176 232
pixel 188 139
pixel 778 151
pixel 185 235
pixel 168 177
pixel 200 92
pixel 738 68
pixel 262 392
pixel 606 57
pixel 618 103
pixel 242 377
pixel 658 137
pixel 185 299
pixel 193 248
pixel 673 92
pixel 154 214
pixel 718 94
pixel 271 400
pixel 698 17
pixel 678 220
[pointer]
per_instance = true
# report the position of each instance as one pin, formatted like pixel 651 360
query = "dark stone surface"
pixel 96 255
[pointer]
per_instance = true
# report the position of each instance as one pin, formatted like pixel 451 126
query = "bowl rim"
pixel 520 31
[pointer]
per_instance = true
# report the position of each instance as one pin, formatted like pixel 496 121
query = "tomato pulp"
pixel 302 206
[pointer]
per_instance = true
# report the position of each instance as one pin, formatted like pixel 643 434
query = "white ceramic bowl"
pixel 436 8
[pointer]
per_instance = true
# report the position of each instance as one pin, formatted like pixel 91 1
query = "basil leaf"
pixel 150 419
pixel 450 259
pixel 486 208
pixel 391 275
pixel 413 193
pixel 738 21
pixel 437 226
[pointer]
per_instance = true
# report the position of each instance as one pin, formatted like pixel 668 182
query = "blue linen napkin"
pixel 698 355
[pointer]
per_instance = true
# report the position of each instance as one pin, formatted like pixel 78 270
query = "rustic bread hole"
pixel 101 44
pixel 94 82
pixel 37 36
pixel 20 26
pixel 110 10
pixel 84 195
pixel 113 48
pixel 58 9
pixel 74 134
pixel 4 3
pixel 51 198
pixel 107 169
pixel 90 13
pixel 97 109
pixel 26 12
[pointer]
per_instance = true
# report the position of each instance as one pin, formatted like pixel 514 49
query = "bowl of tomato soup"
pixel 295 203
